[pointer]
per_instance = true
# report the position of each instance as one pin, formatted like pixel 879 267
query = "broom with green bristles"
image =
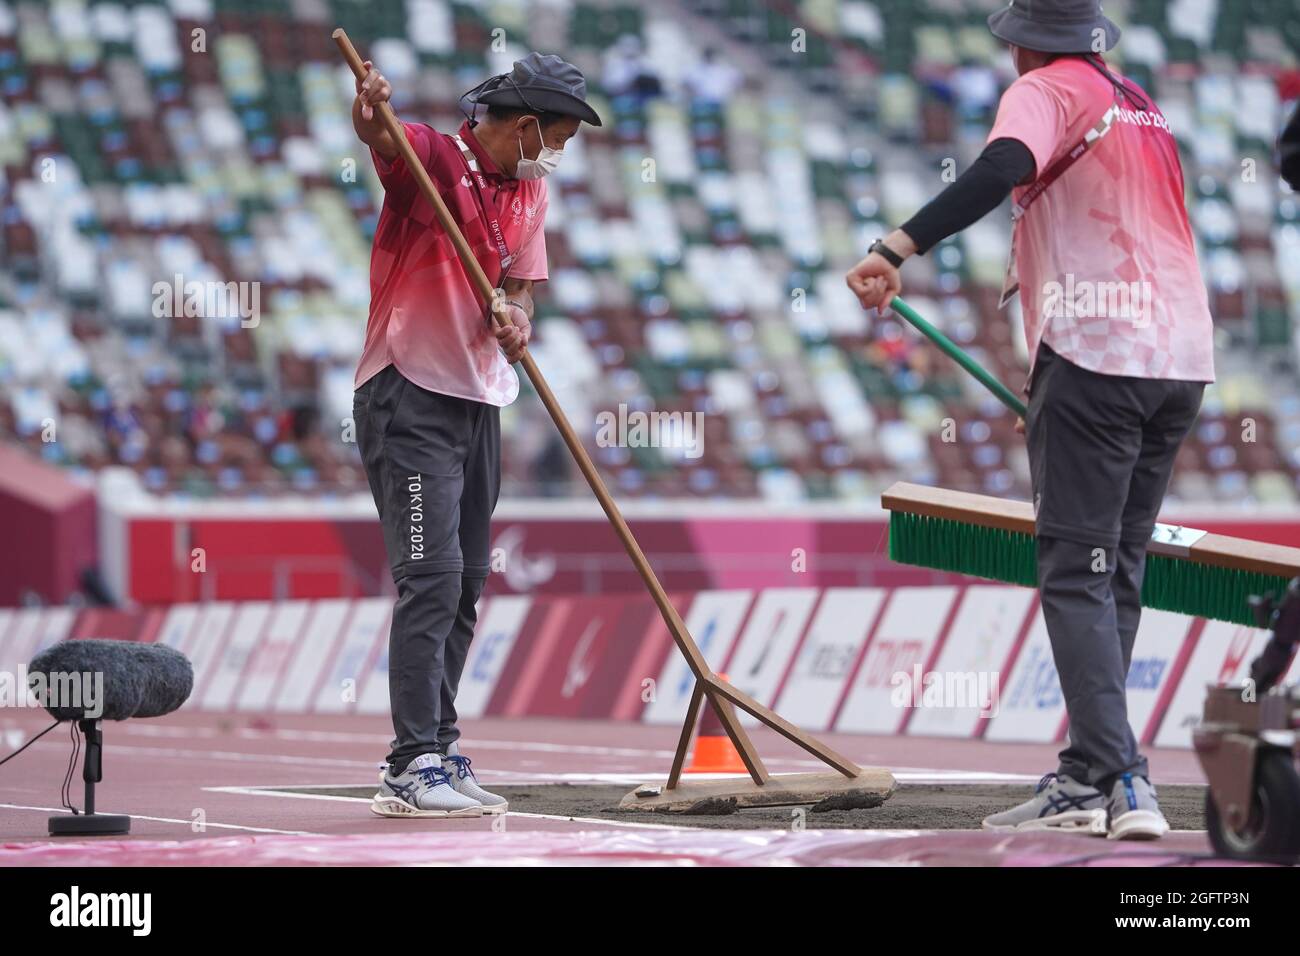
pixel 1188 571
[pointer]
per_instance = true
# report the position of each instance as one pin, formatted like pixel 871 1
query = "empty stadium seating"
pixel 697 242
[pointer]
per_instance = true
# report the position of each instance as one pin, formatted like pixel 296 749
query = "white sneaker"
pixel 423 789
pixel 466 784
pixel 1058 803
pixel 1133 811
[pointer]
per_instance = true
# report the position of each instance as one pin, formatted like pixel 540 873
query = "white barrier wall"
pixel 971 661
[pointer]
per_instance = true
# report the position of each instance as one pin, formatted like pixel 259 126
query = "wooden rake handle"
pixel 394 128
pixel 674 622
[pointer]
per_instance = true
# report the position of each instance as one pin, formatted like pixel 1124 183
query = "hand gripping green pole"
pixel 954 352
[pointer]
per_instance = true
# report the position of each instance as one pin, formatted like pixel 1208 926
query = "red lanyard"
pixel 488 209
pixel 1011 284
pixel 1058 168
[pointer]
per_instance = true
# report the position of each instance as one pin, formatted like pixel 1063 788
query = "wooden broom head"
pixel 1017 517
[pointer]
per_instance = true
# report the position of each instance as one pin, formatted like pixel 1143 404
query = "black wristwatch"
pixel 888 254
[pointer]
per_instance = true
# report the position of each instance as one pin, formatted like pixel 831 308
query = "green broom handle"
pixel 954 352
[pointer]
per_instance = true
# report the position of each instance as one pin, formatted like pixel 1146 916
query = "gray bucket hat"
pixel 1055 26
pixel 541 83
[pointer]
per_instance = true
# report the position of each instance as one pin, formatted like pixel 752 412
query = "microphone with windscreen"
pixel 91 680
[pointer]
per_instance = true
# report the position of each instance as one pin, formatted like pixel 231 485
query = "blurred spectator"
pixel 975 88
pixel 713 80
pixel 627 74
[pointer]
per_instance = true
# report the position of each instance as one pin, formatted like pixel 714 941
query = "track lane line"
pixel 624 824
pixel 187 823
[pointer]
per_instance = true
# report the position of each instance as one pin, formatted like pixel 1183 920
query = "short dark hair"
pixel 501 113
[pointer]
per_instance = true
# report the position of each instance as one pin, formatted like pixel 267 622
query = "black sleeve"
pixel 1003 165
pixel 1288 150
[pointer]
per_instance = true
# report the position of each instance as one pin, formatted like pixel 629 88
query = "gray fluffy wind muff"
pixel 139 680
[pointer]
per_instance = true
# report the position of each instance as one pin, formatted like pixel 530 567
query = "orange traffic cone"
pixel 713 751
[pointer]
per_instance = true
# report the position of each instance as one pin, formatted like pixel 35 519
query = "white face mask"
pixel 543 165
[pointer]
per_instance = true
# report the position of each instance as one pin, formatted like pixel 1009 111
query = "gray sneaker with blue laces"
pixel 423 789
pixel 1133 811
pixel 466 784
pixel 1059 803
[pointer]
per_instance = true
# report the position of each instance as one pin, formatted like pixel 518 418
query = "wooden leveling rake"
pixel 1188 571
pixel 850 785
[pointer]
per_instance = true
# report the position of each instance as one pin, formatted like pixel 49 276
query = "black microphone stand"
pixel 91 823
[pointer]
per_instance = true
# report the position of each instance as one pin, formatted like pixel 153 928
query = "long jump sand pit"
pixel 911 807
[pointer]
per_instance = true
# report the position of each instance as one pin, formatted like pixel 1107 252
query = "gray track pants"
pixel 1101 450
pixel 434 466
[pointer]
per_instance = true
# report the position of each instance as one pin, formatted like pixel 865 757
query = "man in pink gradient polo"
pixel 432 378
pixel 1121 344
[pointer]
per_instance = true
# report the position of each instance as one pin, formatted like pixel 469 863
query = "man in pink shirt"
pixel 433 375
pixel 1121 345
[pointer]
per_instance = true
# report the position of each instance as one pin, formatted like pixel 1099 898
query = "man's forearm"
pixel 901 244
pixel 977 192
pixel 519 292
pixel 373 133
pixel 1289 151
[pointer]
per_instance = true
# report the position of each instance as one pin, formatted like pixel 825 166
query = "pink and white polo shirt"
pixel 426 316
pixel 1105 257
